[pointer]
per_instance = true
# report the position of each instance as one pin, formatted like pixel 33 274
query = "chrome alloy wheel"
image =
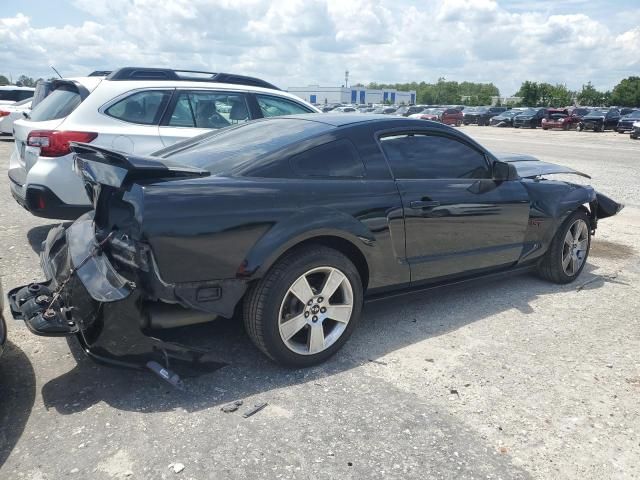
pixel 315 310
pixel 574 250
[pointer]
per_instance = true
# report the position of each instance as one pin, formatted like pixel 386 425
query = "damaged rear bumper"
pixel 85 296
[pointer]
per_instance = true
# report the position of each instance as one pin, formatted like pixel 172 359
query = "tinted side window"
pixel 334 159
pixel 144 108
pixel 275 106
pixel 432 156
pixel 200 109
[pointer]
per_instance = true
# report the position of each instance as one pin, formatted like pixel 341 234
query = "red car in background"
pixel 448 116
pixel 561 118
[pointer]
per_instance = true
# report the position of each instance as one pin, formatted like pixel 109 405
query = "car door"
pixel 192 112
pixel 612 119
pixel 457 219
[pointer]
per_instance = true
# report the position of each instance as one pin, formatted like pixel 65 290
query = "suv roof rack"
pixel 100 73
pixel 140 73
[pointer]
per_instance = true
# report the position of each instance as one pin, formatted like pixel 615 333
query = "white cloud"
pixel 298 42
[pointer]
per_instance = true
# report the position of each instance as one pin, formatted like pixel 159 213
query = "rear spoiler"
pixel 99 165
pixel 529 166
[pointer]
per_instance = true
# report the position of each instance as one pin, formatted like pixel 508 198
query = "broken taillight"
pixel 55 143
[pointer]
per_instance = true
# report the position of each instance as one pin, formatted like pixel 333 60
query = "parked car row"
pixel 570 118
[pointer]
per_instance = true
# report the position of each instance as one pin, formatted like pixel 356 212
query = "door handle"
pixel 424 204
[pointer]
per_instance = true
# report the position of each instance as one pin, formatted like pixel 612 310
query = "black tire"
pixel 550 267
pixel 263 301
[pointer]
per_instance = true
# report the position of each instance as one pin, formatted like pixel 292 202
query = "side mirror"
pixel 504 171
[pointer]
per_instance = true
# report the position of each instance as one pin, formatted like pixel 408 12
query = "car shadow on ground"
pixel 17 396
pixel 385 327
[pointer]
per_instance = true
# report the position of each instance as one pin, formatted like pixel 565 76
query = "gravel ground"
pixel 507 379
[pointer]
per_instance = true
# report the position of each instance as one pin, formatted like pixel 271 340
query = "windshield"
pixel 635 114
pixel 228 150
pixel 58 104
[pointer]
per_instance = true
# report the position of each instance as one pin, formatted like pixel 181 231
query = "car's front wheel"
pixel 568 252
pixel 305 308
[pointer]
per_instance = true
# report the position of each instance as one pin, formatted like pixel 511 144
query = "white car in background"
pixel 10 94
pixel 11 113
pixel 134 110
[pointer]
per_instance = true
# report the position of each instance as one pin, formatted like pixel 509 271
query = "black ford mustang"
pixel 294 221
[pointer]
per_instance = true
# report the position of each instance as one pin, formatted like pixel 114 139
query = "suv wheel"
pixel 305 308
pixel 568 252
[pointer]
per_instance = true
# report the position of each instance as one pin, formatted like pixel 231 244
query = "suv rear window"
pixel 58 104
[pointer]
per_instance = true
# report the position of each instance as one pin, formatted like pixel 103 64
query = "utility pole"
pixel 346 79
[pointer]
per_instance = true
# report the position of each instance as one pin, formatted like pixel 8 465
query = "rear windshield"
pixel 229 150
pixel 58 104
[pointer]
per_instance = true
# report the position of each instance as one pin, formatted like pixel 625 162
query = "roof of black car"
pixel 343 119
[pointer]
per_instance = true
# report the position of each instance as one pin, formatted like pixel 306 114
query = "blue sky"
pixel 301 42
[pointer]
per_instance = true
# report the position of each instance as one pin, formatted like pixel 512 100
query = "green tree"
pixel 445 92
pixel 590 97
pixel 627 93
pixel 529 93
pixel 4 80
pixel 25 81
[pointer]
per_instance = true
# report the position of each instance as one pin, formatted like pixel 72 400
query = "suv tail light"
pixel 3 113
pixel 55 143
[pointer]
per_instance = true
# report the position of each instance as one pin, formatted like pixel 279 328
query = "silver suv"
pixel 133 110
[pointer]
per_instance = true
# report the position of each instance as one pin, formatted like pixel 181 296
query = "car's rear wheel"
pixel 568 252
pixel 305 307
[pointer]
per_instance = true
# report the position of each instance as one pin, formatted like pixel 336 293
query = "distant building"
pixel 505 100
pixel 355 95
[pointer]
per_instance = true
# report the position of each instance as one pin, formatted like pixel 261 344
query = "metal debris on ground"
pixel 176 467
pixel 231 407
pixel 379 362
pixel 256 408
